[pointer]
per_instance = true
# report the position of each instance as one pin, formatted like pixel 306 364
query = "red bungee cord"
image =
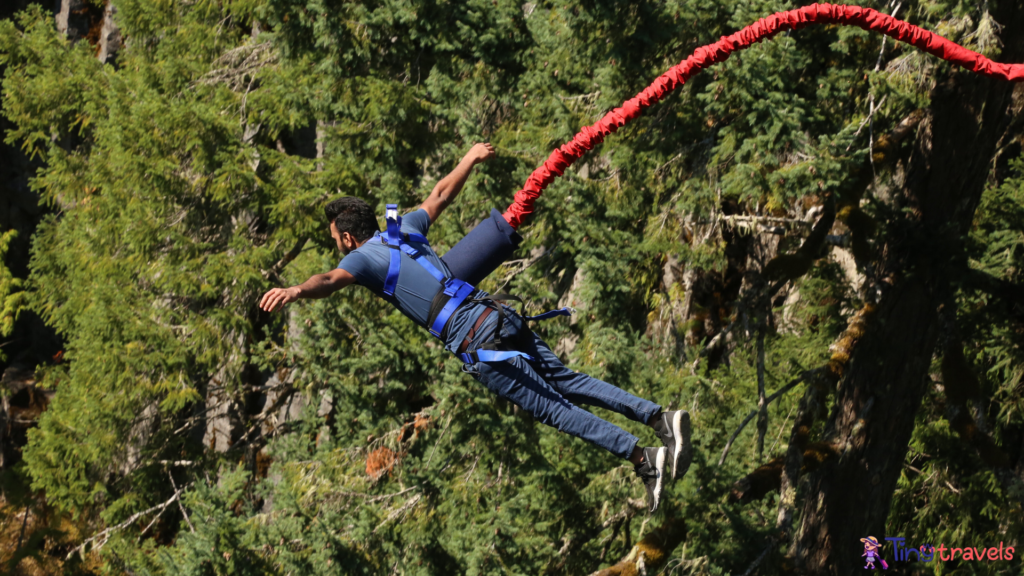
pixel 705 56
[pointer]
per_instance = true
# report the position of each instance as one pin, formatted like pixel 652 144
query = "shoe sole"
pixel 659 465
pixel 683 453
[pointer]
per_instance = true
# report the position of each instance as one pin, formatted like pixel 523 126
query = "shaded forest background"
pixel 814 247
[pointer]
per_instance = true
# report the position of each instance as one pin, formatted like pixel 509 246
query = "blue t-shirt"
pixel 416 287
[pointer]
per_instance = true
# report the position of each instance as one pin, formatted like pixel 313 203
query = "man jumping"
pixel 491 338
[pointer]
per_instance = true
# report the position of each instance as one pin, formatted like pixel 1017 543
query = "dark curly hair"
pixel 352 215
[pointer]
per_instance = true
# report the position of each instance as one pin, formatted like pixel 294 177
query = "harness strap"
pixel 459 291
pixel 567 311
pixel 418 257
pixel 472 331
pixel 491 356
pixel 394 240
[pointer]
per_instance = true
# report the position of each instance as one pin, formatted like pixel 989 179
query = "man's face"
pixel 345 242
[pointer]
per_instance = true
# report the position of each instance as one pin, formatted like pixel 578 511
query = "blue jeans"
pixel 550 392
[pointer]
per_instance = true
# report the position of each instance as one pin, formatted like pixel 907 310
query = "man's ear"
pixel 349 241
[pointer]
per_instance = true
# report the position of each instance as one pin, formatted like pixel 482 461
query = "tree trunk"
pixel 110 36
pixel 876 401
pixel 72 19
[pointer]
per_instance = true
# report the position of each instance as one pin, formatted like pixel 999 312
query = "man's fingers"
pixel 271 296
pixel 272 300
pixel 279 301
pixel 286 298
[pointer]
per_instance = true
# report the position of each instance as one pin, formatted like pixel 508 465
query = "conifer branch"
pixel 519 266
pixel 472 469
pixel 248 437
pixel 772 220
pixel 802 454
pixel 21 535
pixel 867 119
pixel 763 297
pixel 960 386
pixel 239 63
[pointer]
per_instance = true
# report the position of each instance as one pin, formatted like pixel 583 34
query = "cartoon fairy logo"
pixel 871 547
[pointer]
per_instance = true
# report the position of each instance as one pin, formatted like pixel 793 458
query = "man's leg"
pixel 518 381
pixel 577 387
pixel 672 428
pixel 515 380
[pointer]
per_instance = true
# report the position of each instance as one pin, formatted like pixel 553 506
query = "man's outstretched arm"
pixel 318 286
pixel 449 187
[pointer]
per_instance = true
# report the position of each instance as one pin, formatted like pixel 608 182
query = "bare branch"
pixel 369 498
pixel 180 506
pixel 449 423
pixel 762 404
pixel 768 400
pixel 274 272
pixel 574 543
pixel 105 534
pixel 522 264
pixel 764 554
pixel 400 511
pixel 238 64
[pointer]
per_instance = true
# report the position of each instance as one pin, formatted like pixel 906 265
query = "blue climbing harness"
pixel 453 294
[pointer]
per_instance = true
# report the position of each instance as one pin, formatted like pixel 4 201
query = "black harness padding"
pixel 480 252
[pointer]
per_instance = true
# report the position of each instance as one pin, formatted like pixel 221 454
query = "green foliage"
pixel 12 298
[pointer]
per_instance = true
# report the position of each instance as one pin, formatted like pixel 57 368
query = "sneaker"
pixel 651 472
pixel 673 428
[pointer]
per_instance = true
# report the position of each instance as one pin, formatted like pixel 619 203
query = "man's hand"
pixel 449 186
pixel 318 286
pixel 278 297
pixel 480 152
